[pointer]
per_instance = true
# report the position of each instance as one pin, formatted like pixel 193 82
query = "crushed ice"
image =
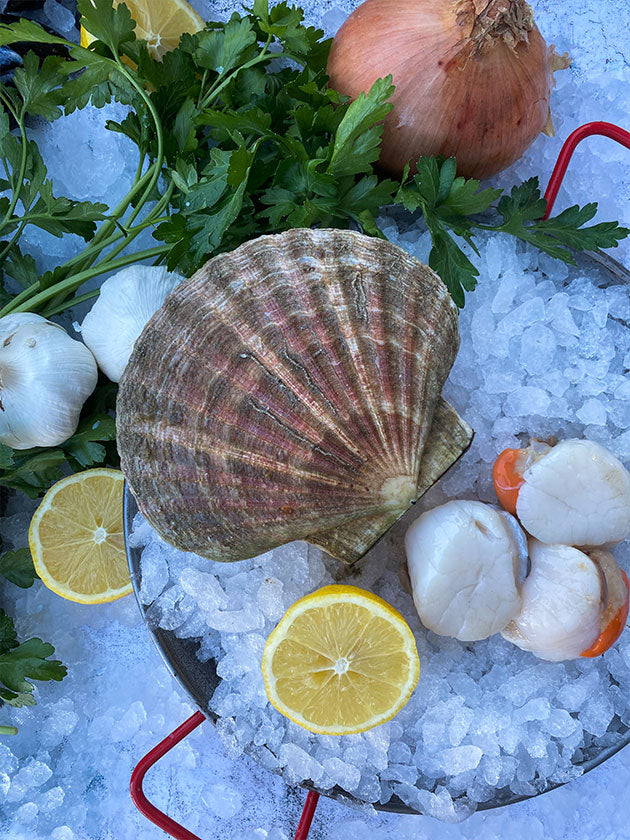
pixel 117 689
pixel 542 353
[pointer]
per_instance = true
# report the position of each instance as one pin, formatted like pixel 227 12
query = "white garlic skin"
pixel 126 302
pixel 562 604
pixel 577 493
pixel 45 377
pixel 464 564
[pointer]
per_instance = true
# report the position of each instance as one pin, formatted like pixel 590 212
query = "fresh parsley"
pixel 22 662
pixel 238 135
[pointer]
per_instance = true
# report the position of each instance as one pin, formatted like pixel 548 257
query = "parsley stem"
pixel 13 240
pixel 108 226
pixel 215 91
pixel 20 179
pixel 8 730
pixel 71 283
pixel 156 166
pixel 55 310
pixel 128 237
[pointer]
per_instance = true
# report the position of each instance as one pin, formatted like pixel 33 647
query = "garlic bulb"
pixel 45 377
pixel 127 301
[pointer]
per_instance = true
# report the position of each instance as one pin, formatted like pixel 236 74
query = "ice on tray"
pixel 537 357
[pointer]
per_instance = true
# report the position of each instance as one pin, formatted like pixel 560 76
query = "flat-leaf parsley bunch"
pixel 239 135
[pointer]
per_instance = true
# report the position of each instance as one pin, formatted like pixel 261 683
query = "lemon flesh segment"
pixel 340 661
pixel 158 22
pixel 76 538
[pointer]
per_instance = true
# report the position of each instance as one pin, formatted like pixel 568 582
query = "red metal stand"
pixel 604 129
pixel 165 822
pixel 137 794
pixel 306 819
pixel 137 777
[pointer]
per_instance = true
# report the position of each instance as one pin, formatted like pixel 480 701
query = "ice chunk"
pixel 459 725
pixel 270 598
pixel 332 20
pixel 537 709
pixel 61 19
pixel 298 764
pixel 527 400
pixel 460 759
pixel 223 801
pixel 559 315
pixel 155 574
pixel 515 322
pixel 33 774
pixel 62 832
pixel 561 724
pixel 52 799
pixel 596 714
pixel 538 347
pixel 592 412
pixel 341 773
pixel 204 588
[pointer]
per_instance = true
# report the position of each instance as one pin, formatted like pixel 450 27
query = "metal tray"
pixel 199 680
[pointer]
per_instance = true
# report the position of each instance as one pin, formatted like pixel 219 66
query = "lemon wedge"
pixel 76 538
pixel 340 661
pixel 159 22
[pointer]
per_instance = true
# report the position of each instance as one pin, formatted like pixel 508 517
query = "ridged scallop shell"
pixel 291 390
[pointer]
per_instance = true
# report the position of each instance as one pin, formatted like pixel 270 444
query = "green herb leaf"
pixel 86 444
pixel 34 471
pixel 17 567
pixel 225 49
pixel 8 636
pixel 28 661
pixel 522 213
pixel 21 267
pixel 6 456
pixel 357 141
pixel 112 26
pixel 27 31
pixel 39 86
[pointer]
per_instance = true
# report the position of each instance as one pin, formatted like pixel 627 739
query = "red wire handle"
pixel 161 819
pixel 605 129
pixel 137 777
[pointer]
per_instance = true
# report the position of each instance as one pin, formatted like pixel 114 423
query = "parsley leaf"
pixel 21 663
pixel 38 86
pixel 223 50
pixel 17 567
pixel 447 204
pixel 113 26
pixel 522 213
pixel 8 636
pixel 358 137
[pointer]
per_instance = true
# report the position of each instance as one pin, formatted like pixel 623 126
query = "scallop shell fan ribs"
pixel 291 389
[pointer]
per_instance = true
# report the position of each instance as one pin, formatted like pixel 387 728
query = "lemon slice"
pixel 159 22
pixel 76 538
pixel 340 661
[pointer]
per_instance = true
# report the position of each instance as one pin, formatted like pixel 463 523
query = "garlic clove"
pixel 126 303
pixel 464 564
pixel 45 377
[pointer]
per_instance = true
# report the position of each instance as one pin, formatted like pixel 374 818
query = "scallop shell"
pixel 291 390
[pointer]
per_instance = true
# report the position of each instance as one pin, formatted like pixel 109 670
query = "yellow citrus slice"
pixel 159 22
pixel 76 538
pixel 340 661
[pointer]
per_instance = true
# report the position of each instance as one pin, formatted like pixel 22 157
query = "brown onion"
pixel 473 78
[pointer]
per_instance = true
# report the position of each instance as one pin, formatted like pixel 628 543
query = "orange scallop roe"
pixel 507 478
pixel 613 629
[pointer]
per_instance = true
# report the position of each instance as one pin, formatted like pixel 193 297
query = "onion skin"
pixel 469 83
